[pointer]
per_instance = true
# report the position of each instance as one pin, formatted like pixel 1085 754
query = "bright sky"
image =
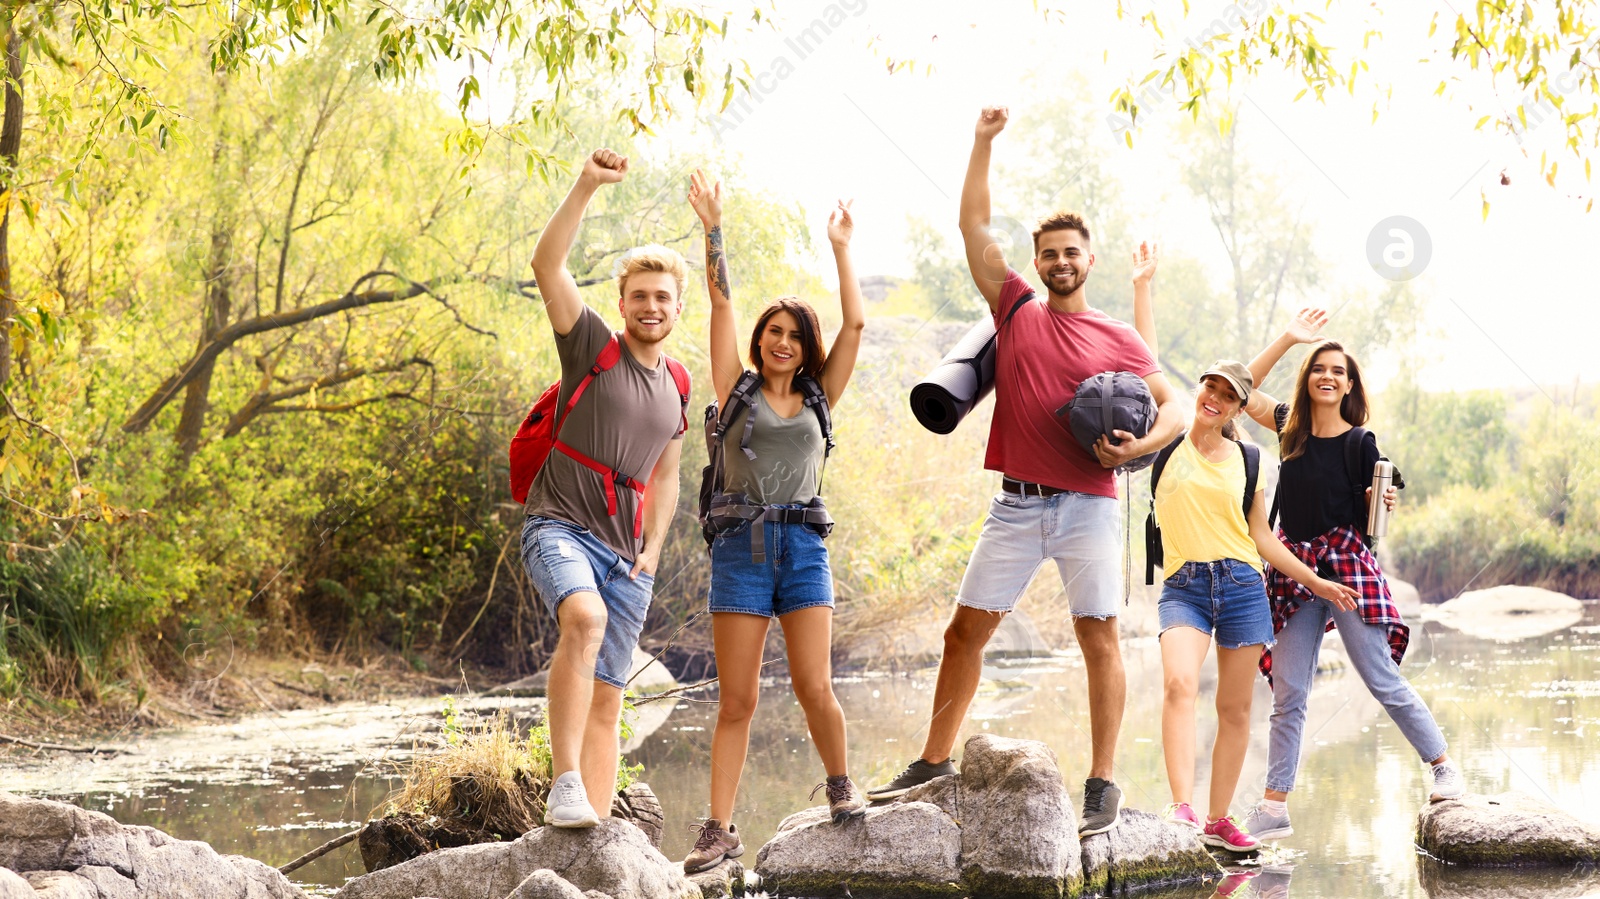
pixel 1508 297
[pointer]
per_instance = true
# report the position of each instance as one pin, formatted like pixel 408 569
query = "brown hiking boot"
pixel 714 844
pixel 844 800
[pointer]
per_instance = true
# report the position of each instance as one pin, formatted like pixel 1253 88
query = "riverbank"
pixel 239 685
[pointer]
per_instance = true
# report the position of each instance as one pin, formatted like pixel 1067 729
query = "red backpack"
pixel 539 433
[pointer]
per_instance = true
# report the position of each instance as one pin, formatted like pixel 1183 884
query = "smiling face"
pixel 1216 402
pixel 1328 378
pixel 650 306
pixel 1063 260
pixel 781 345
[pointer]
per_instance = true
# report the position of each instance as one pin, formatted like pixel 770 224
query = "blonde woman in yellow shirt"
pixel 1214 591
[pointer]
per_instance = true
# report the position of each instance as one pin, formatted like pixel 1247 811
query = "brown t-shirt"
pixel 624 419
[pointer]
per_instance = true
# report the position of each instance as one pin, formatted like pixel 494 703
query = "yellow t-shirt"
pixel 1199 507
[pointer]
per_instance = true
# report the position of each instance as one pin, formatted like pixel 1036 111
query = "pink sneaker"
pixel 1183 813
pixel 1224 833
pixel 1233 884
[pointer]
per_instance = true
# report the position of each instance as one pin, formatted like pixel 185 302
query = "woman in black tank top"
pixel 786 575
pixel 1324 513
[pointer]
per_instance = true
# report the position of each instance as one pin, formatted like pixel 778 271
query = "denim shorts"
pixel 1081 533
pixel 1227 598
pixel 794 576
pixel 563 558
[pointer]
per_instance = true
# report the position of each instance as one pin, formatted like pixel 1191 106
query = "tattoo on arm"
pixel 717 261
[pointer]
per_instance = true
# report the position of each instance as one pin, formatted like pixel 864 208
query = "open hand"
pixel 1144 262
pixel 991 122
pixel 1307 324
pixel 1342 597
pixel 841 227
pixel 706 199
pixel 606 166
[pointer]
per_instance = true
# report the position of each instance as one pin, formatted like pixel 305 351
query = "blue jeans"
pixel 1294 662
pixel 563 558
pixel 794 576
pixel 1226 599
pixel 1079 532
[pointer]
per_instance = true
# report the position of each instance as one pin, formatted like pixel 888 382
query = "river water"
pixel 1520 715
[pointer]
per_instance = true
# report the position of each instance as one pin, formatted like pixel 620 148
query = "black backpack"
pixel 720 510
pixel 1353 439
pixel 1154 556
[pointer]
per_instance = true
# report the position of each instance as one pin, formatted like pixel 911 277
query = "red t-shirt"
pixel 1042 356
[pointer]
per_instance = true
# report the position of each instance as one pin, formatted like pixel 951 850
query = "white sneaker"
pixel 568 805
pixel 1447 783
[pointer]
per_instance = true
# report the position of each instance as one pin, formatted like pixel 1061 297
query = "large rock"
pixel 1509 613
pixel 1141 852
pixel 614 858
pixel 1407 598
pixel 1019 835
pixel 38 835
pixel 65 851
pixel 906 849
pixel 545 884
pixel 1507 830
pixel 12 886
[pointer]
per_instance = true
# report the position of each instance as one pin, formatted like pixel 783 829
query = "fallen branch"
pixel 58 747
pixel 665 694
pixel 319 852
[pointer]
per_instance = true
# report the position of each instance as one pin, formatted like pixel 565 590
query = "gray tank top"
pixel 788 455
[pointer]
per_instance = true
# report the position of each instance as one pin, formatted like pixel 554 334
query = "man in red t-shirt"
pixel 1058 501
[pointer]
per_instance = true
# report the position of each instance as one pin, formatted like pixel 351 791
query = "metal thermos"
pixel 1377 510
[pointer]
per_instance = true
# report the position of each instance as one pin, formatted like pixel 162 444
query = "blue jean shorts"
pixel 794 576
pixel 1227 599
pixel 1081 533
pixel 563 558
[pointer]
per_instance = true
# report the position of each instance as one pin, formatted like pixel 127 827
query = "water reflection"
pixel 1519 716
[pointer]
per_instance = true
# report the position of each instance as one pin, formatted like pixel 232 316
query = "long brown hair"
pixel 1353 408
pixel 811 351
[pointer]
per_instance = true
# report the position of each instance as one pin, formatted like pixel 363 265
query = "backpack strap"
pixel 1252 474
pixel 1280 417
pixel 817 399
pixel 609 354
pixel 1153 552
pixel 680 378
pixel 1353 440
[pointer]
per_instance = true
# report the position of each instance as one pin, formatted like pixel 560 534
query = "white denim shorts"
pixel 1079 531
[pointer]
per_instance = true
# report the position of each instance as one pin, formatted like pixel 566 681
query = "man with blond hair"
pixel 593 534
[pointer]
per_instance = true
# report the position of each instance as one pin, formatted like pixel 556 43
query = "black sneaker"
pixel 917 773
pixel 1102 807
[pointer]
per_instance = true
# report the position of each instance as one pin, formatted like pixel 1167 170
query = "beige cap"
pixel 1234 373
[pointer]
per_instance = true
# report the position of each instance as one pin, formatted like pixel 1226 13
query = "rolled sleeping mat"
pixel 960 381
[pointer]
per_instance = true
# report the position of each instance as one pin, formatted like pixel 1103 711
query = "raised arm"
pixel 842 355
pixel 1281 558
pixel 556 285
pixel 1305 328
pixel 724 347
pixel 985 260
pixel 1144 307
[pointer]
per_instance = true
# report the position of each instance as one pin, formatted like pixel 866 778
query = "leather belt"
pixel 1024 488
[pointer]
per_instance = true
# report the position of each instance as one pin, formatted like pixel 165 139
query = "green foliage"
pixel 1540 52
pixel 1491 502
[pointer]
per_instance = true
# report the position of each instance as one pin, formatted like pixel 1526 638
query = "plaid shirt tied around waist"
pixel 1353 565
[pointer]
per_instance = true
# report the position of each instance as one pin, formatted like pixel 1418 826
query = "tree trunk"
pixel 218 309
pixel 10 144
